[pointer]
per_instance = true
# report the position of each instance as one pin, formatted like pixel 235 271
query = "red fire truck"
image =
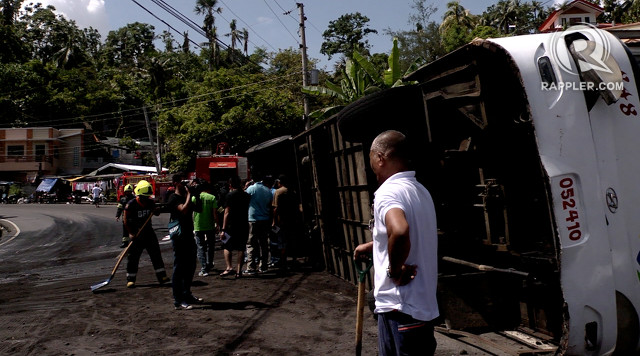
pixel 160 184
pixel 219 167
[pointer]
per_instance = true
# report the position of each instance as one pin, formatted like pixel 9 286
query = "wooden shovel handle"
pixel 359 317
pixel 124 252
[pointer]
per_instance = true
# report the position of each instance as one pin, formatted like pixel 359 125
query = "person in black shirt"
pixel 235 225
pixel 184 245
pixel 136 213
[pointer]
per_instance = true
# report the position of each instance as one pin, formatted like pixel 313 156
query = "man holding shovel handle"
pixel 404 249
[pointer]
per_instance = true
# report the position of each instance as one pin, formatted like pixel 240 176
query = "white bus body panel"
pixel 588 156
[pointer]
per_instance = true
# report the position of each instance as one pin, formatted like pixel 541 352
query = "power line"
pixel 254 31
pixel 282 23
pixel 119 114
pixel 182 18
pixel 172 8
pixel 191 24
pixel 164 22
pixel 307 20
pixel 286 12
pixel 253 43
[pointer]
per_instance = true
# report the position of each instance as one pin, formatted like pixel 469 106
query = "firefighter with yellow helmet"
pixel 122 202
pixel 136 213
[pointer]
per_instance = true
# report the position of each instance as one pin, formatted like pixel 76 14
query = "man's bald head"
pixel 389 154
pixel 393 145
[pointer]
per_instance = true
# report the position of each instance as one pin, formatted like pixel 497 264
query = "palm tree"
pixel 507 15
pixel 245 36
pixel 214 47
pixel 208 8
pixel 235 34
pixel 456 14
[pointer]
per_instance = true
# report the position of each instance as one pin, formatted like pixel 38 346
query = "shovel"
pixel 362 275
pixel 122 254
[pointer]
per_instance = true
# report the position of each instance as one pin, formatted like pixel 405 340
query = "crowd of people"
pixel 403 248
pixel 255 221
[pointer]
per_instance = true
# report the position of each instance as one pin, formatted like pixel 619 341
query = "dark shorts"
pixel 401 335
pixel 238 241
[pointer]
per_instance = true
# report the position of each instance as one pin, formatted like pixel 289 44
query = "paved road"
pixel 61 250
pixel 53 235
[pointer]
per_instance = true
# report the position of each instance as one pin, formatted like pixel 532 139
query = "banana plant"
pixel 359 78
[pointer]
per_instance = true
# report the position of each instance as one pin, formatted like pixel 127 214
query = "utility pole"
pixel 303 47
pixel 153 150
pixel 159 153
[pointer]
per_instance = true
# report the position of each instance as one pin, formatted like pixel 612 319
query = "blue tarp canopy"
pixel 46 185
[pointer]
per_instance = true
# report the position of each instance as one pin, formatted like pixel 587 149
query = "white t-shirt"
pixel 96 191
pixel 418 298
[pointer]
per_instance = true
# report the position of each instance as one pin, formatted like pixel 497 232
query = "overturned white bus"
pixel 527 145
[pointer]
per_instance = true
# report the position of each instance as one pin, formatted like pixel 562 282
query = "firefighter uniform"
pixel 124 199
pixel 136 213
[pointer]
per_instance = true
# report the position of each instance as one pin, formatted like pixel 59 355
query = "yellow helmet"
pixel 128 188
pixel 144 188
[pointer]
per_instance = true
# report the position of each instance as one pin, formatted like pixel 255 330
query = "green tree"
pixel 456 26
pixel 457 15
pixel 226 106
pixel 167 40
pixel 423 43
pixel 52 38
pixel 11 48
pixel 455 36
pixel 630 10
pixel 345 34
pixel 359 78
pixel 513 17
pixel 208 8
pixel 130 46
pixel 236 36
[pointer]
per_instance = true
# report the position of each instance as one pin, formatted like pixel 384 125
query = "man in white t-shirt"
pixel 96 194
pixel 404 250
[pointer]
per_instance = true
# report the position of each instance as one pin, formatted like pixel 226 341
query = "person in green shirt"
pixel 204 223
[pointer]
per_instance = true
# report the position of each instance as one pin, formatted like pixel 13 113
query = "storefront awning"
pixel 46 185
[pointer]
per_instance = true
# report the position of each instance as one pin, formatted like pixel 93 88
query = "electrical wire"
pixel 282 23
pixel 254 31
pixel 98 117
pixel 207 101
pixel 164 22
pixel 185 20
pixel 288 12
pixel 185 17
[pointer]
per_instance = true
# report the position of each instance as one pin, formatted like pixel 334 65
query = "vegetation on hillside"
pixel 53 73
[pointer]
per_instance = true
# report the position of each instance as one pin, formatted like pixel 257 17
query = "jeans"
pixel 258 244
pixel 184 266
pixel 206 247
pixel 401 335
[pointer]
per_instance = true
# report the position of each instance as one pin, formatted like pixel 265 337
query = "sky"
pixel 266 21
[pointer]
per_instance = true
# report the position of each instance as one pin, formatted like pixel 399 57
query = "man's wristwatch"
pixel 392 276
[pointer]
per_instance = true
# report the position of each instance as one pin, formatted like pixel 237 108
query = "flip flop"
pixel 226 272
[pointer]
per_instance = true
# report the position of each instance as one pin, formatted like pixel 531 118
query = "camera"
pixel 195 187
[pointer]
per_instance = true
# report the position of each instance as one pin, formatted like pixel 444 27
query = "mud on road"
pixel 47 307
